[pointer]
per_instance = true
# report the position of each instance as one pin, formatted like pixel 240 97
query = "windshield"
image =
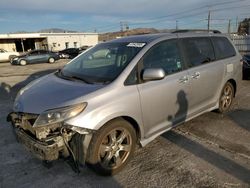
pixel 103 63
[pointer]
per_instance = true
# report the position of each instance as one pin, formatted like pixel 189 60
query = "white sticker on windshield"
pixel 136 45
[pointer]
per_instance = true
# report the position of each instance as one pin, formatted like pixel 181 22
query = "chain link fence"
pixel 242 43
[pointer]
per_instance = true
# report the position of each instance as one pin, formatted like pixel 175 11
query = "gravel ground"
pixel 212 150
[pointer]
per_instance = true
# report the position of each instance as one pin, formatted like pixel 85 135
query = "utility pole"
pixel 249 27
pixel 176 25
pixel 229 27
pixel 121 25
pixel 22 44
pixel 208 21
pixel 124 26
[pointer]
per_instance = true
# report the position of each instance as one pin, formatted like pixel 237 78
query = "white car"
pixel 7 56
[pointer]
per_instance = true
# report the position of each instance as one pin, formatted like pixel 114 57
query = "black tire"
pixel 51 60
pixel 23 62
pixel 226 98
pixel 118 140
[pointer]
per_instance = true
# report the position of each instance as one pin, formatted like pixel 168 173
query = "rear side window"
pixel 198 51
pixel 223 48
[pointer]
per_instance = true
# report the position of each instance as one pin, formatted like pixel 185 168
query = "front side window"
pixel 198 51
pixel 103 63
pixel 165 55
pixel 33 53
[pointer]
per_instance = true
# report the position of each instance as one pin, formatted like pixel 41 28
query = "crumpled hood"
pixel 51 92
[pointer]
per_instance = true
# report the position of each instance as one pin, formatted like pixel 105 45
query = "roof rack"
pixel 196 31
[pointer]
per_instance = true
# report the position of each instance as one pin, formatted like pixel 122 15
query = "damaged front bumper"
pixel 52 141
pixel 47 150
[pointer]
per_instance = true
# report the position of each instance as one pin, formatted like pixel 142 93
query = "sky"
pixel 107 15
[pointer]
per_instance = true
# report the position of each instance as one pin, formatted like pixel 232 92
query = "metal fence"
pixel 242 43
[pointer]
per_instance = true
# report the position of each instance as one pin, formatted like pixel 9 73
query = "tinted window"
pixel 223 48
pixel 43 52
pixel 198 51
pixel 165 55
pixel 34 53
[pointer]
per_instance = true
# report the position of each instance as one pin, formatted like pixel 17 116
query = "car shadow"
pixel 181 114
pixel 241 117
pixel 217 160
pixel 9 93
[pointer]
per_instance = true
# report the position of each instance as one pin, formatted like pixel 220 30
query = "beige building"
pixel 52 41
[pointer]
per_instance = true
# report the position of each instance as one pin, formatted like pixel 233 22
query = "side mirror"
pixel 153 74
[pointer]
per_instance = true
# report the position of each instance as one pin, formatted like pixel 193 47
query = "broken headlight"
pixel 58 115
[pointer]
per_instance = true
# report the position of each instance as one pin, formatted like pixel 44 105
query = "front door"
pixel 164 102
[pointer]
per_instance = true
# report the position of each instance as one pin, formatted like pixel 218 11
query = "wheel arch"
pixel 233 82
pixel 133 122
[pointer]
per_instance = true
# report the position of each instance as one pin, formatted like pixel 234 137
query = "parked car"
pixel 98 107
pixel 35 56
pixel 83 48
pixel 69 53
pixel 7 56
pixel 246 66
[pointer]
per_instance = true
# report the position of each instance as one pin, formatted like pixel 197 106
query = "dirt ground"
pixel 212 150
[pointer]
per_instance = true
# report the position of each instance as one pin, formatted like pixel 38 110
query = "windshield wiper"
pixel 79 78
pixel 71 77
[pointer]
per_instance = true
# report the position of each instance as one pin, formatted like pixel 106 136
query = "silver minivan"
pixel 125 92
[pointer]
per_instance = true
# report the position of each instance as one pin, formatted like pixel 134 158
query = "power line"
pixel 229 8
pixel 174 16
pixel 189 15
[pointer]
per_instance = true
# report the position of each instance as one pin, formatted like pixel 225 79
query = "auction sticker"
pixel 136 44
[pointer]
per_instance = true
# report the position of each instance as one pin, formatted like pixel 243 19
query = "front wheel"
pixel 51 60
pixel 111 147
pixel 226 98
pixel 23 62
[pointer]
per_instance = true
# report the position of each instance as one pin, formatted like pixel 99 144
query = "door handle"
pixel 196 75
pixel 183 79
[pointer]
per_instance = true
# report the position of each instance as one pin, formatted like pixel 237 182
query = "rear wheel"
pixel 23 62
pixel 226 98
pixel 111 147
pixel 51 60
